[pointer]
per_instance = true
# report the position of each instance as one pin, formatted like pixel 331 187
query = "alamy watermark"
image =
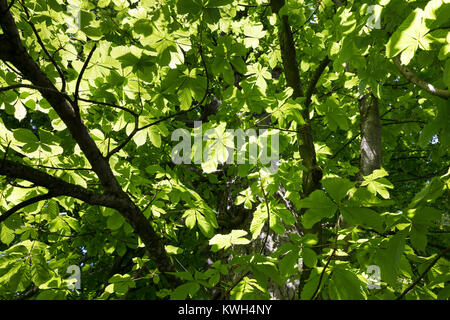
pixel 226 146
pixel 74 280
pixel 74 20
pixel 374 20
pixel 374 277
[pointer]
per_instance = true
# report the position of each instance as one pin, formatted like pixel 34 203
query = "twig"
pixel 26 203
pixel 198 104
pixel 41 43
pixel 64 169
pixel 400 122
pixel 134 114
pixel 423 274
pixel 423 177
pixel 80 76
pixel 263 248
pixel 343 147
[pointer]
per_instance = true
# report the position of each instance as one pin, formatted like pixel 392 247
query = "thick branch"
pixel 428 87
pixel 11 49
pixel 55 185
pixel 30 86
pixel 312 176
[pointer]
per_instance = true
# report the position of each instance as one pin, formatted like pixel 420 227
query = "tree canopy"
pixel 95 97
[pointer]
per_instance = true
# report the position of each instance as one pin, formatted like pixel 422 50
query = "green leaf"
pixel 288 262
pixel 25 136
pixel 364 217
pixel 115 221
pixel 337 187
pixel 185 290
pixel 309 257
pixel 247 289
pixel 6 235
pixel 388 257
pixel 185 98
pixel 278 216
pixel 189 6
pixel 218 3
pixel 408 37
pixel 103 3
pixel 259 219
pixel 173 250
pixel 143 26
pixel 120 284
pixel 155 136
pixel 224 241
pixel 320 207
pixel 206 221
pixel 345 285
pixel 377 184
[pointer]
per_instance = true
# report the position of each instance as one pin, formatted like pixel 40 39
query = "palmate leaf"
pixel 247 289
pixel 410 35
pixel 204 218
pixel 224 241
pixel 376 183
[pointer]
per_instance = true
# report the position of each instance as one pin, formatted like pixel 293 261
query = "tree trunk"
pixel 370 126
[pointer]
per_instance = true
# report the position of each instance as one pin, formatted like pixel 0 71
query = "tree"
pixel 97 95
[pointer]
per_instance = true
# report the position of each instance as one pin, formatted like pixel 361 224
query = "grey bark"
pixel 370 126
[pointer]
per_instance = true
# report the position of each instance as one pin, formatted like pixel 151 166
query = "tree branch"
pixel 312 85
pixel 26 203
pixel 345 145
pixel 134 114
pixel 10 5
pixel 136 129
pixel 56 186
pixel 41 43
pixel 404 293
pixel 80 77
pixel 11 49
pixel 30 86
pixel 313 297
pixel 428 87
pixel 423 177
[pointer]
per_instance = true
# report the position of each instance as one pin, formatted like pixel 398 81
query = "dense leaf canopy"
pixel 355 206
